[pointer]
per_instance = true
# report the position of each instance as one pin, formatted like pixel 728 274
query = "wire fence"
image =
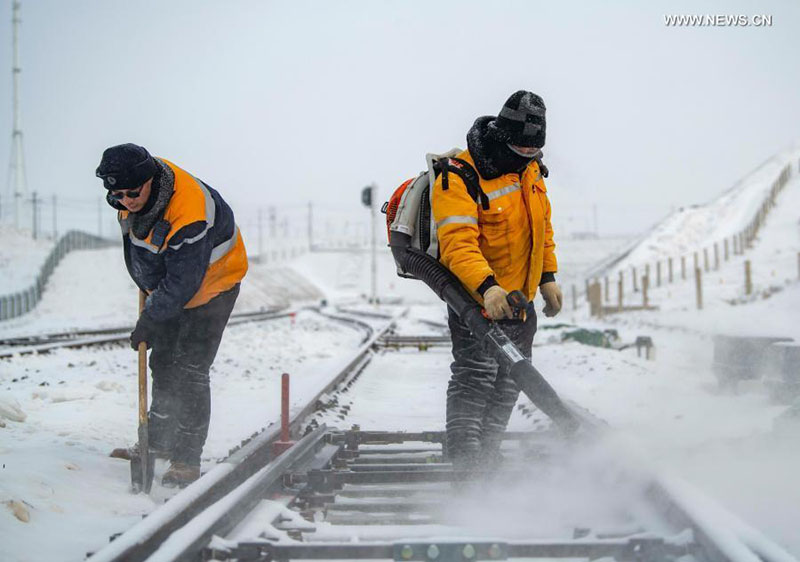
pixel 16 304
pixel 643 278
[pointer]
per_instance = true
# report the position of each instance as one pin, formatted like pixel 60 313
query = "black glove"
pixel 146 330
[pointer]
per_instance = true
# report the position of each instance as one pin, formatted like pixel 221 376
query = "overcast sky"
pixel 277 103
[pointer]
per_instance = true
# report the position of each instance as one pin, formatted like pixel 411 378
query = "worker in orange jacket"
pixel 183 248
pixel 494 248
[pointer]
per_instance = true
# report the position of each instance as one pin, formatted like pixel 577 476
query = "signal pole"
pixel 368 199
pixel 16 184
pixel 374 265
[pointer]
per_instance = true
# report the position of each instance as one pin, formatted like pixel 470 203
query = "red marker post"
pixel 284 443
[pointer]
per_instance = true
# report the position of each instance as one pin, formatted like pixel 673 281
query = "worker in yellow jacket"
pixel 496 243
pixel 183 248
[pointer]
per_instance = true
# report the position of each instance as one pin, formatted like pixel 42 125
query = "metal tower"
pixel 17 187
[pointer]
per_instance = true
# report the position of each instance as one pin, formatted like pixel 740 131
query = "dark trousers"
pixel 180 362
pixel 480 394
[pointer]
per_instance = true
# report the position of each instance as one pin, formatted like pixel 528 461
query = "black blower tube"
pixel 447 286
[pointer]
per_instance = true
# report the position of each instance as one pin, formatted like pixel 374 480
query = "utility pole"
pixel 310 226
pixel 17 183
pixel 55 218
pixel 35 205
pixel 260 235
pixel 273 217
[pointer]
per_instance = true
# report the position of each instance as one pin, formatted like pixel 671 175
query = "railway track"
pixel 354 494
pixel 25 345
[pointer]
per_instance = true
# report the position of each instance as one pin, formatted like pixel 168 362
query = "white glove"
pixel 496 304
pixel 553 299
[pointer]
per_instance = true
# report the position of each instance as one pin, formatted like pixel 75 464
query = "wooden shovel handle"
pixel 142 369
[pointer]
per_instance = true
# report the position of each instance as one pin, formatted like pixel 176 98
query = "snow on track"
pixel 81 403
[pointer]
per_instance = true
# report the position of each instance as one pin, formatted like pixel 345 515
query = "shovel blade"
pixel 143 464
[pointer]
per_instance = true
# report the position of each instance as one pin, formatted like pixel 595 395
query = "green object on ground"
pixel 595 338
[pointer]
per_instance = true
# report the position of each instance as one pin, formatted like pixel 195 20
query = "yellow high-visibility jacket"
pixel 513 240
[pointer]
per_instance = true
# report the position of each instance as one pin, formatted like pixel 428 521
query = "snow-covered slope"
pixel 92 289
pixel 21 258
pixel 770 310
pixel 693 227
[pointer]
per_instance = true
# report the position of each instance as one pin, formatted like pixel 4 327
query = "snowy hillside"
pixel 21 257
pixel 694 227
pixel 773 261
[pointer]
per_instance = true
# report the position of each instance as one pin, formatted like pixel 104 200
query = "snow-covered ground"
pixel 775 271
pixel 78 404
pixel 695 227
pixel 21 257
pixel 91 289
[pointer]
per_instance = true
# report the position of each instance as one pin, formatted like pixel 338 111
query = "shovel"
pixel 143 464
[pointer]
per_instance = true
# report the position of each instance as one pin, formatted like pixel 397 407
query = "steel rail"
pixel 86 339
pixel 50 337
pixel 144 539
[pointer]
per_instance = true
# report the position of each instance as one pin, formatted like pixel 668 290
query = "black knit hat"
pixel 125 166
pixel 521 121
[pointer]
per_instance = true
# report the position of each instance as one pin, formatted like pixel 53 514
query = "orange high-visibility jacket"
pixel 513 240
pixel 201 255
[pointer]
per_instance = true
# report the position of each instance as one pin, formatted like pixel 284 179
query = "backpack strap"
pixel 468 175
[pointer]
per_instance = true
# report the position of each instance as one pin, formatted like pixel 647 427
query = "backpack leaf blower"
pixel 413 242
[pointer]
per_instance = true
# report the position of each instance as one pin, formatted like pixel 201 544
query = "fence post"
pixel 645 283
pixel 658 273
pixel 574 298
pixel 696 260
pixel 620 288
pixel 683 268
pixel 698 282
pixel 748 279
pixel 596 299
pixel 726 249
pixel 716 256
pixel 605 289
pixel 669 267
pixel 635 280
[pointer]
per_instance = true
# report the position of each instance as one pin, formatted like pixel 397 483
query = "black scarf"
pixel 160 193
pixel 492 158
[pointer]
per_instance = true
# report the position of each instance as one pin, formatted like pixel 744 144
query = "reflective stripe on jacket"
pixel 201 255
pixel 512 240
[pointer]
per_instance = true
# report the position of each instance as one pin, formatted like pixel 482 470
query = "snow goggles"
pixel 129 193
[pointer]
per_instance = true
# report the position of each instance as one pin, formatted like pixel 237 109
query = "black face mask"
pixel 506 160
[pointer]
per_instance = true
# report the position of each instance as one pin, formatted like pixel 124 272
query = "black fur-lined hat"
pixel 125 166
pixel 521 121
